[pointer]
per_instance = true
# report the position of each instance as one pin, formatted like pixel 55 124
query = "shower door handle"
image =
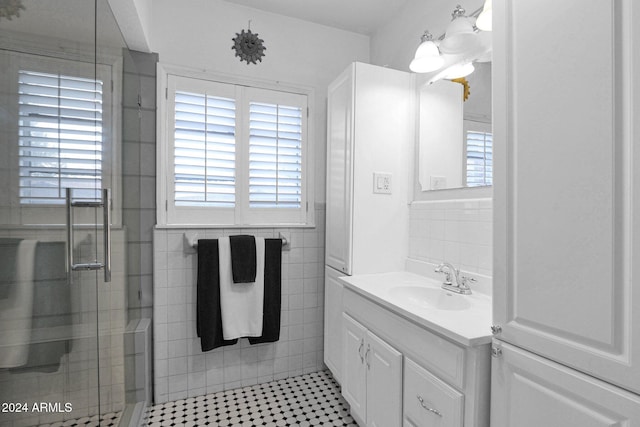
pixel 105 203
pixel 106 211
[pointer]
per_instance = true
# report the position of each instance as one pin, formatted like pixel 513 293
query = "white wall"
pixel 197 34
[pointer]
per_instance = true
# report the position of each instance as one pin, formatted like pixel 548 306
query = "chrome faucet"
pixel 461 285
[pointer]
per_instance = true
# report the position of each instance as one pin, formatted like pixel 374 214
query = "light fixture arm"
pixel 458 12
pixel 426 37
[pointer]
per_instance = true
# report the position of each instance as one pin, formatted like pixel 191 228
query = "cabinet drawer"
pixel 429 402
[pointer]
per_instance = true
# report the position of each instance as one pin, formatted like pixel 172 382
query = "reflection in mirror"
pixel 455 137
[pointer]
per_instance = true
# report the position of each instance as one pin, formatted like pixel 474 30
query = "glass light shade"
pixel 427 58
pixel 458 70
pixel 483 53
pixel 459 37
pixel 485 21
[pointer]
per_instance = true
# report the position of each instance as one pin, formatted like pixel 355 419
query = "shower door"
pixel 62 299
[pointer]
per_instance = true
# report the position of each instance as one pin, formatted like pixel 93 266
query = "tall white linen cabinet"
pixel 567 213
pixel 370 145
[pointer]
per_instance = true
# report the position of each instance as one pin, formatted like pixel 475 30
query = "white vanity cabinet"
pixel 372 380
pixel 398 372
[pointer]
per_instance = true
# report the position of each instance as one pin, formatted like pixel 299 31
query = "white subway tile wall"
pixel 457 231
pixel 182 370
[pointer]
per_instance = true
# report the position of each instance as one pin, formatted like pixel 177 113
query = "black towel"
pixel 243 258
pixel 272 292
pixel 208 315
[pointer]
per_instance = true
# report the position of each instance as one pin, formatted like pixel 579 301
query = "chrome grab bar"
pixel 106 206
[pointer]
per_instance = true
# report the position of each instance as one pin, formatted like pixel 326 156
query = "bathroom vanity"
pixel 412 354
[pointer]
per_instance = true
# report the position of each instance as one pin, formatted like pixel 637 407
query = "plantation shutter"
pixel 236 155
pixel 204 150
pixel 60 137
pixel 275 155
pixel 479 158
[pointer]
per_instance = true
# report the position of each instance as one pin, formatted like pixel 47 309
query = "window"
pixel 61 132
pixel 275 155
pixel 233 155
pixel 204 148
pixel 479 155
pixel 60 137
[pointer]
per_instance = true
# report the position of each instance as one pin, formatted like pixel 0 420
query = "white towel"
pixel 16 311
pixel 241 304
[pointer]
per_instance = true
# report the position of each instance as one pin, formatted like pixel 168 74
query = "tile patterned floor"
pixel 308 400
pixel 106 420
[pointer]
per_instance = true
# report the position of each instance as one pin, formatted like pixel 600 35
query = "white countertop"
pixel 469 324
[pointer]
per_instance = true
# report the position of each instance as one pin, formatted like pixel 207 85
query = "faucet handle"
pixel 464 280
pixel 447 273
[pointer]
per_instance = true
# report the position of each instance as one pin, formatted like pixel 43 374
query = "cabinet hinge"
pixel 166 92
pixel 496 351
pixel 307 112
pixel 307 206
pixel 166 205
pixel 496 329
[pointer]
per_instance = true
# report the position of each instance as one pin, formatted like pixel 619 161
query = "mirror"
pixel 455 135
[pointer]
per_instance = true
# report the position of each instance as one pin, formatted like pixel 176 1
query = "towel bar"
pixel 192 240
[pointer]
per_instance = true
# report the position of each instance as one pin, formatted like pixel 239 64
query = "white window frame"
pixel 110 72
pixel 172 78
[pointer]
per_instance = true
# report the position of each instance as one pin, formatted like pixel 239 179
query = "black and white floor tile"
pixel 308 400
pixel 105 420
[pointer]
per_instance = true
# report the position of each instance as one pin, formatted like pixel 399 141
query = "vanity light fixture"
pixel 457 71
pixel 427 57
pixel 460 35
pixel 485 21
pixel 455 51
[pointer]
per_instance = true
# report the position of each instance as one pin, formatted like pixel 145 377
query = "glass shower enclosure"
pixel 63 298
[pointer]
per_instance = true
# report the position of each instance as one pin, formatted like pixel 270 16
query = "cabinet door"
pixel 531 391
pixel 333 322
pixel 354 369
pixel 384 383
pixel 339 172
pixel 566 193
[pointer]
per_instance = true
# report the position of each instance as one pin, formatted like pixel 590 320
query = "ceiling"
pixel 359 16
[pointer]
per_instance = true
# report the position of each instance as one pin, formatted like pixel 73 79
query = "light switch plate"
pixel 382 183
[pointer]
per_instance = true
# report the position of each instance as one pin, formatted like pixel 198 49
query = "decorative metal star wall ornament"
pixel 10 8
pixel 248 46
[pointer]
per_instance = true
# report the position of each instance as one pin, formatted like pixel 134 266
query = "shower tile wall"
pixel 139 176
pixel 457 231
pixel 183 370
pixel 75 380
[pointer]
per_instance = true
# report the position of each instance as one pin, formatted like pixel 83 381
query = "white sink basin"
pixel 433 298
